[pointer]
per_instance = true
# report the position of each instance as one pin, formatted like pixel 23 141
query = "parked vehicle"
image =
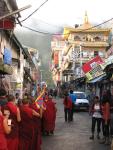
pixel 81 102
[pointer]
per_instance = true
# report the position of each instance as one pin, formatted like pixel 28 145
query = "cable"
pixel 36 30
pixel 66 33
pixel 34 11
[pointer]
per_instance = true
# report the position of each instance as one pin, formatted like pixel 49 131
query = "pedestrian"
pixel 36 124
pixel 106 118
pixel 14 116
pixel 111 122
pixel 49 116
pixel 55 93
pixel 73 99
pixel 5 128
pixel 26 127
pixel 96 112
pixel 3 97
pixel 67 108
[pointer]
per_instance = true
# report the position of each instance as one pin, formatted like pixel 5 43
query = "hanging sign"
pixel 7 24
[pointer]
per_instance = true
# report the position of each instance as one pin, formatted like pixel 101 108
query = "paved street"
pixel 72 136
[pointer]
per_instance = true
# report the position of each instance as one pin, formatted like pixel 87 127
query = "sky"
pixel 57 13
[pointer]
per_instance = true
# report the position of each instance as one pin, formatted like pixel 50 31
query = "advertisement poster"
pixel 93 68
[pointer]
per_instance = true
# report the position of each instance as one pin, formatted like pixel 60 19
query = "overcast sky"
pixel 56 13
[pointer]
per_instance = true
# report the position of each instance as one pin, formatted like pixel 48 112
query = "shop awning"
pixel 97 79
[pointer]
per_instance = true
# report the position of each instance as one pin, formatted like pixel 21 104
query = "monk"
pixel 37 124
pixel 49 116
pixel 14 116
pixel 26 130
pixel 4 128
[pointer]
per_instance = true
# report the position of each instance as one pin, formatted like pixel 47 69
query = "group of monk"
pixel 21 126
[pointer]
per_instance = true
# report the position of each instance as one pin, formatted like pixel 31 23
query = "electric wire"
pixel 34 11
pixel 82 30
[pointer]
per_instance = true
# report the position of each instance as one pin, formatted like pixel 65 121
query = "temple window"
pixel 97 38
pixel 96 53
pixel 77 38
pixel 85 54
pixel 101 54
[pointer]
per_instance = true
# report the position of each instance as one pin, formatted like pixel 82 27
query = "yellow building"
pixel 83 43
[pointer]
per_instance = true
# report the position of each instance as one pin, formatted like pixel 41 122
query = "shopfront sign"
pixel 93 68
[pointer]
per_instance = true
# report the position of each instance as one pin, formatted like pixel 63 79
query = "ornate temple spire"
pixel 86 21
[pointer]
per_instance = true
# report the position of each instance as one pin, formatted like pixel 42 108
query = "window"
pixel 101 54
pixel 77 38
pixel 85 54
pixel 95 53
pixel 97 38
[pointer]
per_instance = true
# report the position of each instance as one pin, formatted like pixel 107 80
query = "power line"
pixel 34 30
pixel 34 11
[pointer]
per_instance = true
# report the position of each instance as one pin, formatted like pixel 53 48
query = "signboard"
pixel 93 68
pixel 7 24
pixel 92 64
pixel 56 57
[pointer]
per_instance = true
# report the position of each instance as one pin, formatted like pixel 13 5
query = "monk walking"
pixel 4 128
pixel 14 116
pixel 49 116
pixel 37 125
pixel 26 130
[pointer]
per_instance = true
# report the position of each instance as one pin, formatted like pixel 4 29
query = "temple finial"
pixel 86 18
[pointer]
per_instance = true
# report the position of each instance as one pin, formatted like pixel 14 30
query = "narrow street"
pixel 72 136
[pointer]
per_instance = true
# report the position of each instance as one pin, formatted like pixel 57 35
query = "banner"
pixel 56 57
pixel 93 68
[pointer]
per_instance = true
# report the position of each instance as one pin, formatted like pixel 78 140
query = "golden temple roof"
pixel 85 28
pixel 86 24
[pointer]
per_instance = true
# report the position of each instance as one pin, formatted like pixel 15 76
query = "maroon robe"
pixel 3 142
pixel 13 137
pixel 26 130
pixel 49 116
pixel 37 128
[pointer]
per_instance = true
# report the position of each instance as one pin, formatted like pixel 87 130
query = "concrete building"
pixel 18 71
pixel 82 44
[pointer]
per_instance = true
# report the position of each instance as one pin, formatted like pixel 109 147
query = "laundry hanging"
pixel 7 56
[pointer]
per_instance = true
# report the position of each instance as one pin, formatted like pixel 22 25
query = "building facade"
pixel 82 44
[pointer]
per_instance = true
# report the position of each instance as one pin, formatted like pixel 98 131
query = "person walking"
pixel 49 116
pixel 73 99
pixel 14 116
pixel 96 112
pixel 26 127
pixel 106 118
pixel 67 108
pixel 5 128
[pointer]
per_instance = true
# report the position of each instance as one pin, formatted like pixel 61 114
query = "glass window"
pixel 95 53
pixel 80 95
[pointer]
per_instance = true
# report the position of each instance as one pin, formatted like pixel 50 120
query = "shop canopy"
pixel 98 79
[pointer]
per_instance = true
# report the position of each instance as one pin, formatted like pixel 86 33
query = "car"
pixel 81 102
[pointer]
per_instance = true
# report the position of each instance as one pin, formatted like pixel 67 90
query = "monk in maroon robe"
pixel 4 128
pixel 49 116
pixel 26 131
pixel 14 116
pixel 37 125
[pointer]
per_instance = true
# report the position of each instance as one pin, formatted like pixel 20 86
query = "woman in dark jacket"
pixel 67 108
pixel 106 117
